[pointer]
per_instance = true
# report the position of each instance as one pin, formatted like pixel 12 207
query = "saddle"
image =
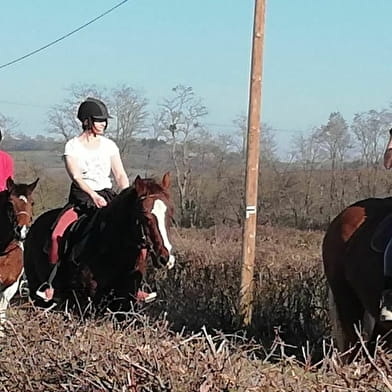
pixel 76 236
pixel 70 228
pixel 69 234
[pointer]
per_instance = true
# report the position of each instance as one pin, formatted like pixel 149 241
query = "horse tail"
pixel 337 328
pixel 345 307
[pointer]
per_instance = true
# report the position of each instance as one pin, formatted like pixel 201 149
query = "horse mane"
pixel 20 190
pixel 153 187
pixel 109 218
pixel 4 195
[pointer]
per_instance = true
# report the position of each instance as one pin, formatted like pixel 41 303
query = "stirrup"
pixel 45 291
pixel 24 290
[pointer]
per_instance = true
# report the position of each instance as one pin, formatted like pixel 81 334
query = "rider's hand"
pixel 98 200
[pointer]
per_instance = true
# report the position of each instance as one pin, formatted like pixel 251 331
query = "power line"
pixel 210 124
pixel 273 129
pixel 62 37
pixel 23 104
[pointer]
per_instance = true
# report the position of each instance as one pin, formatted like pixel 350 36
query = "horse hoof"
pixel 171 262
pixel 24 291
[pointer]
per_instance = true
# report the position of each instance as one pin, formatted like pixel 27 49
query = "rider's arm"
pixel 75 175
pixel 388 154
pixel 119 172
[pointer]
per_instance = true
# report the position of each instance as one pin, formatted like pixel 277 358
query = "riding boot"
pixel 45 291
pixel 142 296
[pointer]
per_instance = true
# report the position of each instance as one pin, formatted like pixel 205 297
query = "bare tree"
pixel 334 140
pixel 62 117
pixel 241 122
pixel 179 125
pixel 268 144
pixel 7 124
pixel 129 109
pixel 306 154
pixel 369 129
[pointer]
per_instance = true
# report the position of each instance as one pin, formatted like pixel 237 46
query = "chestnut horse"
pixel 355 272
pixel 103 257
pixel 16 212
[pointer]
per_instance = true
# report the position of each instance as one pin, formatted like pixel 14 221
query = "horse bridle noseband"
pixel 12 215
pixel 145 241
pixel 23 213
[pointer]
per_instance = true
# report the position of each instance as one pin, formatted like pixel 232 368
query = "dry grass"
pixel 290 291
pixel 188 340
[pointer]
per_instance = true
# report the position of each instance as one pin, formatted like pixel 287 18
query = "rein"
pixel 13 216
pixel 23 213
pixel 146 242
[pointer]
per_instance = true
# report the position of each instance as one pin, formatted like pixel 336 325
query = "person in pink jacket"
pixel 6 167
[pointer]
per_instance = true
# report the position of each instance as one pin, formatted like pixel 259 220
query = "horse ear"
pixel 32 186
pixel 166 180
pixel 10 183
pixel 139 186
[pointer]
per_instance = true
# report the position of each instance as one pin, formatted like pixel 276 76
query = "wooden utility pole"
pixel 252 166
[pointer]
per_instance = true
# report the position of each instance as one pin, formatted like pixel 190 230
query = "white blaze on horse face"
pixel 24 229
pixel 159 210
pixel 23 232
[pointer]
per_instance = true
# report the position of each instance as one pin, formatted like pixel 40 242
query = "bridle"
pixel 23 212
pixel 145 243
pixel 13 215
pixel 145 240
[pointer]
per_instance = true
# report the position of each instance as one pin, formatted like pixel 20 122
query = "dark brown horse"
pixel 355 271
pixel 16 212
pixel 104 256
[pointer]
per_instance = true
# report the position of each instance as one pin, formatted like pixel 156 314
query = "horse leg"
pixel 337 329
pixel 5 298
pixel 346 312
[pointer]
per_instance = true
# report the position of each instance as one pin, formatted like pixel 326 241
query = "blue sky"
pixel 320 56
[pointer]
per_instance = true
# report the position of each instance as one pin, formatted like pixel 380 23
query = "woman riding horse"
pixel 104 255
pixel 90 158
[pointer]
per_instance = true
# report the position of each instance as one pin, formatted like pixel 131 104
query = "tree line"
pixel 329 167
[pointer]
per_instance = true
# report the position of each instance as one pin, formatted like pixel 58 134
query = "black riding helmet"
pixel 93 109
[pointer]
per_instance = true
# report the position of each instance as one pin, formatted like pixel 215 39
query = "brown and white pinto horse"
pixel 103 257
pixel 355 272
pixel 16 212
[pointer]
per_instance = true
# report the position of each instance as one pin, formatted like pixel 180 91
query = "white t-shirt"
pixel 95 165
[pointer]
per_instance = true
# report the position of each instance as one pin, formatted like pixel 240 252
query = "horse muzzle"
pixel 163 260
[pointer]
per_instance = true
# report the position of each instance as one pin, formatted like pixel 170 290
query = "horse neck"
pixel 121 214
pixel 6 226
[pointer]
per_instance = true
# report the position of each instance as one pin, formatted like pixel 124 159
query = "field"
pixel 189 339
